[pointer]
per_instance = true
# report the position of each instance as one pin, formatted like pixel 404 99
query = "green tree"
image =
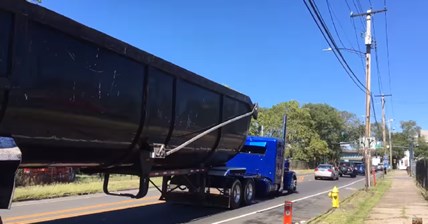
pixel 421 149
pixel 410 134
pixel 410 129
pixel 353 127
pixel 329 124
pixel 303 143
pixel 399 144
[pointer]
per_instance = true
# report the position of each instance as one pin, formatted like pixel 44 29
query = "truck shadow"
pixel 166 213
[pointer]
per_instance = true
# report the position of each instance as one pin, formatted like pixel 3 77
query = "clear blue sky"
pixel 272 50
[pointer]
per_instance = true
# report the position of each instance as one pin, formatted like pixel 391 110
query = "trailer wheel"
pixel 249 191
pixel 235 194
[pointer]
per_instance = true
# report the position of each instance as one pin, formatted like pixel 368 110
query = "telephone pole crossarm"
pixel 369 12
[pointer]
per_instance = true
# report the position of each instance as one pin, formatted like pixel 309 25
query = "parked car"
pixel 326 171
pixel 379 167
pixel 346 168
pixel 360 167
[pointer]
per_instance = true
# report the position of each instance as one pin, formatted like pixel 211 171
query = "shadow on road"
pixel 167 213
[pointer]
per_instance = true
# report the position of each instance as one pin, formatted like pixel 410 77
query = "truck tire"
pixel 293 185
pixel 235 194
pixel 249 191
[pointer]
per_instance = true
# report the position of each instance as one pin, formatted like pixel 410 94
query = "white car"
pixel 326 171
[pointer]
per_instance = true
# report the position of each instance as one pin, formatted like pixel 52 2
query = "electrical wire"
pixel 379 77
pixel 340 25
pixel 319 21
pixel 359 10
pixel 332 21
pixel 374 114
pixel 313 10
pixel 387 57
pixel 356 39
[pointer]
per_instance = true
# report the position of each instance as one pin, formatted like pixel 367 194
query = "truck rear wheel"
pixel 235 195
pixel 249 191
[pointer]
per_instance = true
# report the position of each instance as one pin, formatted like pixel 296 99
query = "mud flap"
pixel 10 158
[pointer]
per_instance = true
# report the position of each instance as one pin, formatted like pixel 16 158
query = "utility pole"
pixel 368 42
pixel 390 143
pixel 383 122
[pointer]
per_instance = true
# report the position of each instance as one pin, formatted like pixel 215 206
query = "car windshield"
pixel 324 166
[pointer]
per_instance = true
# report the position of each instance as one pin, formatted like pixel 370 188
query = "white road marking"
pixel 282 204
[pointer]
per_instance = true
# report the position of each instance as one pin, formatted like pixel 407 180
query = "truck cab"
pixel 264 158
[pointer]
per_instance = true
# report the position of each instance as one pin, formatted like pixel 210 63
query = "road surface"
pixel 310 201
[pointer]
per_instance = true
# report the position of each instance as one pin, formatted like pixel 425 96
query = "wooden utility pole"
pixel 368 42
pixel 390 143
pixel 383 122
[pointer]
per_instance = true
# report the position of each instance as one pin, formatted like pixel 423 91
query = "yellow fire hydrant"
pixel 334 195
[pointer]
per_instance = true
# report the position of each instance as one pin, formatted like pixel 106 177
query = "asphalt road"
pixel 310 201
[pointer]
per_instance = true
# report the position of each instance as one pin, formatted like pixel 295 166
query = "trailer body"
pixel 72 96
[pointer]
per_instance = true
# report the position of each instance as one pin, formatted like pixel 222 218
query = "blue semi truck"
pixel 259 169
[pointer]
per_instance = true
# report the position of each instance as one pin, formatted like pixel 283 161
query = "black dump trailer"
pixel 73 96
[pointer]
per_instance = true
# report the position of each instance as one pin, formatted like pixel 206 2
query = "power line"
pixel 356 39
pixel 356 32
pixel 379 77
pixel 332 21
pixel 359 10
pixel 374 113
pixel 329 39
pixel 387 57
pixel 340 26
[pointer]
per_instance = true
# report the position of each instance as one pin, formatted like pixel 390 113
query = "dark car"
pixel 347 168
pixel 360 167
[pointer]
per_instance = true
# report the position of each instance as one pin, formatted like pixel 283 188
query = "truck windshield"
pixel 252 149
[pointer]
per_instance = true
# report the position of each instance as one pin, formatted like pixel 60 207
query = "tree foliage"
pixel 314 131
pixel 353 127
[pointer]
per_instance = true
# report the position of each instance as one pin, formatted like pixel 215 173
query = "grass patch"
pixel 355 209
pixel 85 185
pixel 305 171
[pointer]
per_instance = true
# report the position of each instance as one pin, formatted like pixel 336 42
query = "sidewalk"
pixel 401 203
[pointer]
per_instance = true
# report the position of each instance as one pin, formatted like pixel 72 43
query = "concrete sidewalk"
pixel 401 204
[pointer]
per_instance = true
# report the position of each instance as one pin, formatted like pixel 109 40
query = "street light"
pixel 345 49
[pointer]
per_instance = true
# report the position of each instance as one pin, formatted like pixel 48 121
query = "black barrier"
pixel 422 173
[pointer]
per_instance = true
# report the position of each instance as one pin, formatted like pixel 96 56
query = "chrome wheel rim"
pixel 249 191
pixel 236 194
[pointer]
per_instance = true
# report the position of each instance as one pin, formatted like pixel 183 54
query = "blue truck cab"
pixel 264 160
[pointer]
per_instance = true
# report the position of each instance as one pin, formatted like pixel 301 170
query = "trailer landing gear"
pixel 145 164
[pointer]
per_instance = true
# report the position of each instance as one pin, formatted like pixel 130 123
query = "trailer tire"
pixel 249 191
pixel 235 194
